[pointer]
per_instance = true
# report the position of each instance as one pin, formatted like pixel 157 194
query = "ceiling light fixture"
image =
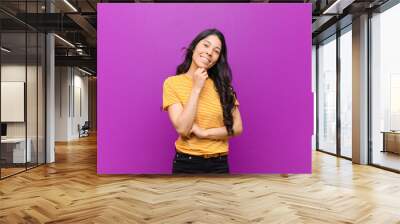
pixel 5 50
pixel 79 51
pixel 86 72
pixel 70 5
pixel 337 7
pixel 64 40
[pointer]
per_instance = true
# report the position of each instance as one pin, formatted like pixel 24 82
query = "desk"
pixel 13 150
pixel 391 141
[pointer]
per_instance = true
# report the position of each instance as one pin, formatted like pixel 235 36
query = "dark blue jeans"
pixel 189 164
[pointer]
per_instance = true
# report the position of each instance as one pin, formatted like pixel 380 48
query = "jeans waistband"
pixel 206 156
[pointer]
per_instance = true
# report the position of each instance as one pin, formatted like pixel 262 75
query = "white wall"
pixel 70 83
pixel 81 102
pixel 62 80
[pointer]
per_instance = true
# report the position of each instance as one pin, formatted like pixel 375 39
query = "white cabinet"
pixel 18 149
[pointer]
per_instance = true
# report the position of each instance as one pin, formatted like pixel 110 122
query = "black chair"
pixel 84 130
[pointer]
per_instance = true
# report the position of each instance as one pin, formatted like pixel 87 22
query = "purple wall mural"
pixel 269 49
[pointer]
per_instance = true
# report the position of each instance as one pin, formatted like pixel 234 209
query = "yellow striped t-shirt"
pixel 177 89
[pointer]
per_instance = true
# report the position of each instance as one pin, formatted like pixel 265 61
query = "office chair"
pixel 84 130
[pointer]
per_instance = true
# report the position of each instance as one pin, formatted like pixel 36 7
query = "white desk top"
pixel 13 140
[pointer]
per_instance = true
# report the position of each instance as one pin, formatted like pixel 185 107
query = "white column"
pixel 50 92
pixel 360 90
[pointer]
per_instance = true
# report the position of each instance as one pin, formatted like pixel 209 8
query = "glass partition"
pixel 41 91
pixel 32 95
pixel 14 153
pixel 346 93
pixel 385 88
pixel 22 77
pixel 327 95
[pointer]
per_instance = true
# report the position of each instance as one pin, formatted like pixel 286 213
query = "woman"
pixel 202 106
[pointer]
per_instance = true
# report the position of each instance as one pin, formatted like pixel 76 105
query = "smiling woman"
pixel 202 106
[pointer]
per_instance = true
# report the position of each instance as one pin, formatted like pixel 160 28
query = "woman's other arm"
pixel 221 132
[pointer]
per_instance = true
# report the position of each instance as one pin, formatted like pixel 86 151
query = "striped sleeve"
pixel 169 95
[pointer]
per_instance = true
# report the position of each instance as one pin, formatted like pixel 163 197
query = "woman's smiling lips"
pixel 205 59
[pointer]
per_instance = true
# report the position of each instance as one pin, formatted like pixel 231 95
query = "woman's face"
pixel 207 52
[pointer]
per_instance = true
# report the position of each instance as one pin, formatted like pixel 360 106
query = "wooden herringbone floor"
pixel 70 191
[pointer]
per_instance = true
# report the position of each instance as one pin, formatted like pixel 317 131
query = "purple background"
pixel 269 50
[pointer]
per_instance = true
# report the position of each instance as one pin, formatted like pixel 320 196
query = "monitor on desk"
pixel 3 130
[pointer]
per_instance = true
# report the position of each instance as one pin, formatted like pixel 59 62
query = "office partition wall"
pixel 22 87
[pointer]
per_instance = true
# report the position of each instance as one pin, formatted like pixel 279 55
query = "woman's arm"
pixel 221 132
pixel 182 117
